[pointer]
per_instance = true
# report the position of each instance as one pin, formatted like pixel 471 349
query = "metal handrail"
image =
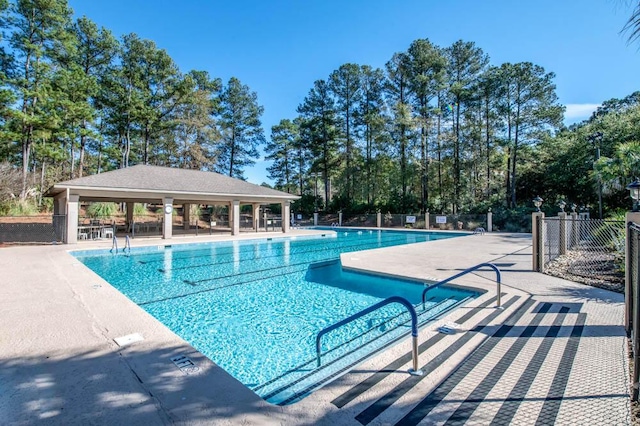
pixel 466 271
pixel 114 244
pixel 393 299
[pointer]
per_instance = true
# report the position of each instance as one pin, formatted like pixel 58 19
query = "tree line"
pixel 74 100
pixel 437 128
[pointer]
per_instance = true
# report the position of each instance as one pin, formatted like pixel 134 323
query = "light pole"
pixel 596 140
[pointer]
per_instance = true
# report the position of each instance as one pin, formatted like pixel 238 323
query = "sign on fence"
pixel 441 219
pixel 410 219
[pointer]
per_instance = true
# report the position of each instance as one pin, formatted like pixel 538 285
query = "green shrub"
pixel 102 210
pixel 17 207
pixel 140 210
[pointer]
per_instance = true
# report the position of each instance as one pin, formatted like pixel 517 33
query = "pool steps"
pixel 306 378
pixel 515 369
pixel 302 386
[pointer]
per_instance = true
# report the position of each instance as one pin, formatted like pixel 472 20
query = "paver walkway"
pixel 556 353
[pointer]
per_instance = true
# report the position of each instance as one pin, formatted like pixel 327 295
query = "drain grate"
pixel 185 364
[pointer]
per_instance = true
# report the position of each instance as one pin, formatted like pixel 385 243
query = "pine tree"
pixel 319 131
pixel 240 129
pixel 466 64
pixel 427 76
pixel 345 84
pixel 281 149
pixel 37 27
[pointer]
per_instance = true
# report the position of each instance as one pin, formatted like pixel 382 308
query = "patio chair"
pixel 107 232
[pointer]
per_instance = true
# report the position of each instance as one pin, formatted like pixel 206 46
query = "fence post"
pixel 489 220
pixel 562 238
pixel 537 237
pixel 340 218
pixel 426 220
pixel 315 219
pixel 573 240
pixel 629 297
pixel 379 219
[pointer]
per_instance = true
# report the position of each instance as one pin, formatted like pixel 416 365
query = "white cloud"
pixel 579 112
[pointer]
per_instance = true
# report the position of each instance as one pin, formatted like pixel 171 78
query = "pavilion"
pixel 168 186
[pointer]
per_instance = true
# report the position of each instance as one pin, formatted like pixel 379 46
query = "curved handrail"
pixel 114 243
pixel 127 244
pixel 466 271
pixel 392 299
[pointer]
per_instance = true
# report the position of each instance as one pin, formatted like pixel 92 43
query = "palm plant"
pixel 632 27
pixel 616 172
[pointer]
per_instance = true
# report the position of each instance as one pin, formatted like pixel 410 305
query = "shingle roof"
pixel 154 178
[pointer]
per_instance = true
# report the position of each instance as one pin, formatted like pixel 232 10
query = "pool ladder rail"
pixel 393 299
pixel 465 272
pixel 414 317
pixel 114 244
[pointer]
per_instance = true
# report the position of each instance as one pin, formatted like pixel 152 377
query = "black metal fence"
pixel 467 222
pixel 411 220
pixel 33 230
pixel 632 299
pixel 592 249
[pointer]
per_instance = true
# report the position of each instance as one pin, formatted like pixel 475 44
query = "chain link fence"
pixel 590 251
pixel 49 229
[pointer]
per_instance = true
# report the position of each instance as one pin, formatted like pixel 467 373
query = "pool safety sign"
pixel 441 219
pixel 410 219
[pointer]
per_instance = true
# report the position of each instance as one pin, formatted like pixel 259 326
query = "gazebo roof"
pixel 151 182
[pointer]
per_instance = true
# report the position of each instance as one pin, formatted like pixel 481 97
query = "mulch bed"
pixel 599 270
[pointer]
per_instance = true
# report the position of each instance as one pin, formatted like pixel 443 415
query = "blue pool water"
pixel 254 307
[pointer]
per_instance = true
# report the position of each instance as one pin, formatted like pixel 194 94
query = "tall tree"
pixel 240 129
pixel 398 91
pixel 38 25
pixel 529 107
pixel 428 67
pixel 196 128
pixel 319 129
pixel 345 83
pixel 489 92
pixel 94 52
pixel 281 149
pixel 373 120
pixel 123 99
pixel 466 63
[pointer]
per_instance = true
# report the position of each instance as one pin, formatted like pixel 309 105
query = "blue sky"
pixel 279 48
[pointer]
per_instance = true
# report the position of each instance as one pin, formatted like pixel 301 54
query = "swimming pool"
pixel 254 307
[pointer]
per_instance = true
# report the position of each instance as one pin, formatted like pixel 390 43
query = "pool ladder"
pixel 114 244
pixel 412 311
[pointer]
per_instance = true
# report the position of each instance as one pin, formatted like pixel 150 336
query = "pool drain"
pixel 185 364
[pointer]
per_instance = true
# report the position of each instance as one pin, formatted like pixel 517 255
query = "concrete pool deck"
pixel 556 354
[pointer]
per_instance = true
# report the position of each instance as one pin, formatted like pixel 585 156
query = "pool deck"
pixel 555 354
